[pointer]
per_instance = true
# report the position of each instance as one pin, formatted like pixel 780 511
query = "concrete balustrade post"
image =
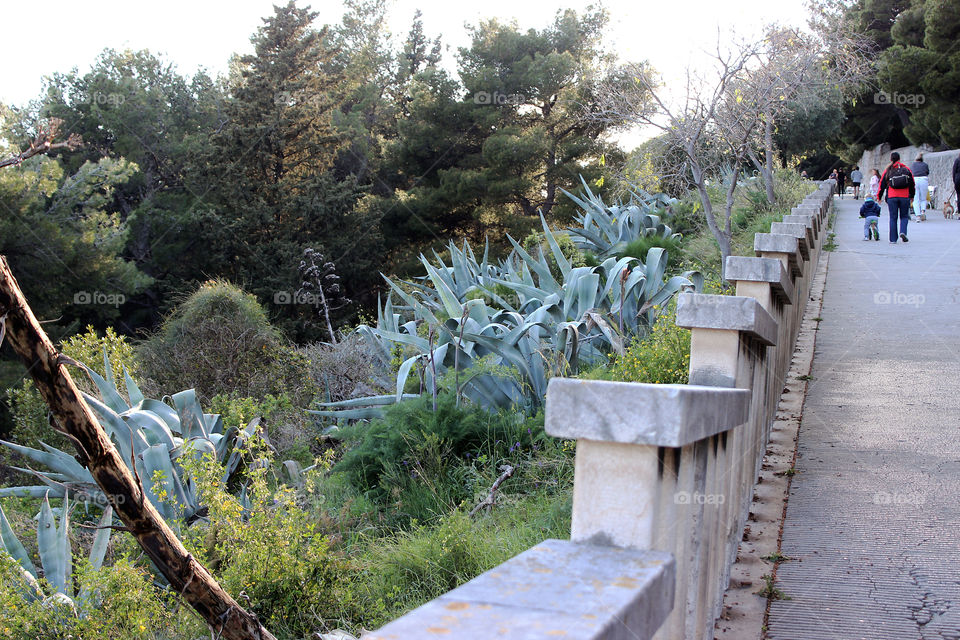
pixel 728 347
pixel 644 469
pixel 766 280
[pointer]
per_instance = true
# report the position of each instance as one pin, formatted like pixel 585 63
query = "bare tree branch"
pixel 44 143
pixel 97 452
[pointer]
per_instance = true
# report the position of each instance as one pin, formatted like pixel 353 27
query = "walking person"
pixel 856 177
pixel 897 182
pixel 956 180
pixel 874 182
pixel 841 181
pixel 921 176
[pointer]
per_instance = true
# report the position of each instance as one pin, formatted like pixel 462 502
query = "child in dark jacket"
pixel 870 212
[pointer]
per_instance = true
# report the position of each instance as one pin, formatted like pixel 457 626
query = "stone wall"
pixel 941 167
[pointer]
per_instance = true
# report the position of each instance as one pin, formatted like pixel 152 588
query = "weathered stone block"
pixel 556 589
pixel 801 232
pixel 732 313
pixel 663 415
pixel 746 268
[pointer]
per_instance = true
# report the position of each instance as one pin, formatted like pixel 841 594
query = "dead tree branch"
pixel 98 453
pixel 492 496
pixel 44 142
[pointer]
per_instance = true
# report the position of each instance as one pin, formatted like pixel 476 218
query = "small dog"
pixel 948 211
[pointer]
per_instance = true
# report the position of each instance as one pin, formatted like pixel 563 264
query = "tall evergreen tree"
pixel 271 170
pixel 921 71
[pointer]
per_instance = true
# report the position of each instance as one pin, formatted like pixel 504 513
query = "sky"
pixel 204 33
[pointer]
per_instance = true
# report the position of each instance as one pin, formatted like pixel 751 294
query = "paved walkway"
pixel 873 521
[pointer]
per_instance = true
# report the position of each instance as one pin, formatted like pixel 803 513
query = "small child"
pixel 870 212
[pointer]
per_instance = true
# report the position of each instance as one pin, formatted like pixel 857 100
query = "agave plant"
pixel 606 230
pixel 460 314
pixel 150 435
pixel 56 559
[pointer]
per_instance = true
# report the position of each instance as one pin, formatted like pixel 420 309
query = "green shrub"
pixel 411 435
pixel 127 607
pixel 406 570
pixel 270 549
pixel 641 246
pixel 219 340
pixel 88 348
pixel 663 357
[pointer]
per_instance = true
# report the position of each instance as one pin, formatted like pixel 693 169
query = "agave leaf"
pixel 153 428
pixel 365 402
pixel 30 589
pixel 561 259
pixel 63 543
pixel 165 412
pixel 191 415
pixel 157 459
pixel 108 391
pixel 57 460
pixel 98 550
pixel 113 423
pixel 404 372
pixel 294 472
pixel 29 492
pixel 13 546
pixel 51 550
pixel 349 414
pixel 108 370
pixel 542 270
pixel 133 391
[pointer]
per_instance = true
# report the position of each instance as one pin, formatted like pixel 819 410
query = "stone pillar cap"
pixel 662 415
pixel 748 269
pixel 801 232
pixel 779 243
pixel 556 589
pixel 730 313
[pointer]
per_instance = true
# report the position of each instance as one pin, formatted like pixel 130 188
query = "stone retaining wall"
pixel 941 168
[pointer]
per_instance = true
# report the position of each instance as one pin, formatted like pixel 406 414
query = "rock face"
pixel 941 168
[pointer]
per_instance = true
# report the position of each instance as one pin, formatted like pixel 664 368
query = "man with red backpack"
pixel 898 182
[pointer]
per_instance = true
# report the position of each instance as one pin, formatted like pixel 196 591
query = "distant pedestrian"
pixel 874 182
pixel 841 181
pixel 870 212
pixel 921 176
pixel 956 181
pixel 803 175
pixel 897 182
pixel 856 177
pixel 835 178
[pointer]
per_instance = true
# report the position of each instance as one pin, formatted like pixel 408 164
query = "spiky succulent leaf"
pixel 13 546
